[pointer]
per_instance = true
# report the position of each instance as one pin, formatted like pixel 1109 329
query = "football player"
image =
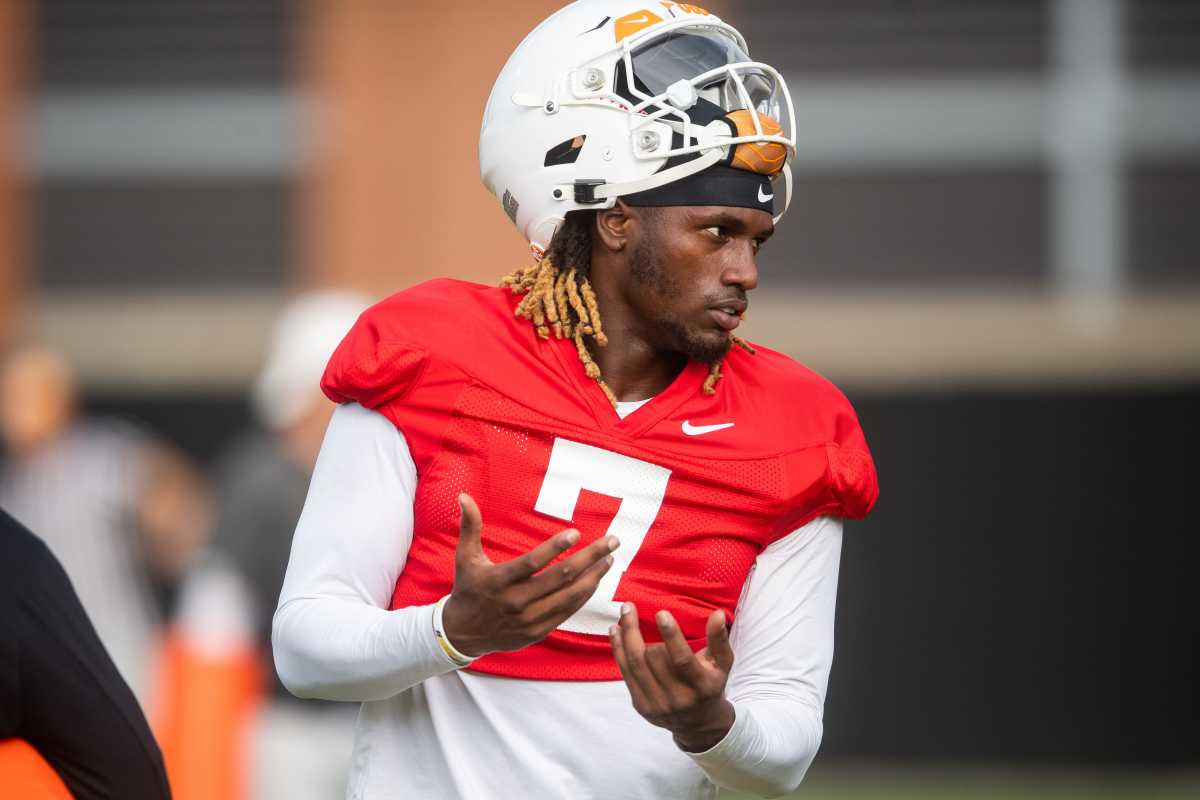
pixel 572 536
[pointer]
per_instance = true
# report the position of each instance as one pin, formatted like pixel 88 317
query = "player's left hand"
pixel 671 686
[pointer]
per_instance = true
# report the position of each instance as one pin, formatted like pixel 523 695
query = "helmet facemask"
pixel 720 106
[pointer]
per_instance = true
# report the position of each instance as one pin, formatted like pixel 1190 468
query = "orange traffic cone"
pixel 211 686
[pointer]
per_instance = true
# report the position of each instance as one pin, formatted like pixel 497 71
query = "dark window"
pixel 1163 34
pixel 162 43
pixel 1164 238
pixel 896 227
pixel 135 234
pixel 886 36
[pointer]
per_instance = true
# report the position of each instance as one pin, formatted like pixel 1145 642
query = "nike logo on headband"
pixel 764 198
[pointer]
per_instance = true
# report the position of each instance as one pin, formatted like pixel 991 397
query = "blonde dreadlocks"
pixel 559 297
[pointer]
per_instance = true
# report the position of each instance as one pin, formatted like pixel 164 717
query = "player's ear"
pixel 613 226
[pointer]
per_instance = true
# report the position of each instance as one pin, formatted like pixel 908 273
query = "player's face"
pixel 690 271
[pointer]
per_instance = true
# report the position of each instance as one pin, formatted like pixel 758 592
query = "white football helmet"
pixel 596 100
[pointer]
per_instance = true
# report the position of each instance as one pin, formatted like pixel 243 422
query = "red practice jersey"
pixel 694 485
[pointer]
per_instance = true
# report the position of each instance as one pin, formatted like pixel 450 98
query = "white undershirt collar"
pixel 627 407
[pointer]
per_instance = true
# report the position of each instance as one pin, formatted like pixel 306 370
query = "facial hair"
pixel 677 336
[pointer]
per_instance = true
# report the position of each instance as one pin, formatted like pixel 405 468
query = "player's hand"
pixel 510 605
pixel 671 686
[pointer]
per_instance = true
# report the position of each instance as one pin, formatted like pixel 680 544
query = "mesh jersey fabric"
pixel 489 409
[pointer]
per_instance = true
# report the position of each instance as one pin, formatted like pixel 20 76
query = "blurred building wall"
pixel 15 42
pixel 393 196
pixel 972 178
pixel 988 194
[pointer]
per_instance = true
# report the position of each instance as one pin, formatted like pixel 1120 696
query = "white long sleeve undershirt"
pixel 439 731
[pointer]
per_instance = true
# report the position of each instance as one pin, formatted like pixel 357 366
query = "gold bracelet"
pixel 457 658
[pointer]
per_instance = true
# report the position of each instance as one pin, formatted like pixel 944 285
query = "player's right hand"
pixel 515 603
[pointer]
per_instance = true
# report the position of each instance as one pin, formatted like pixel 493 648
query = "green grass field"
pixel 847 782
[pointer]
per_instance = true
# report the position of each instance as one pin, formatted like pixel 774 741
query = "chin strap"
pixel 787 191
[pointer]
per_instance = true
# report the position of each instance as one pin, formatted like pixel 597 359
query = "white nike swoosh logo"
pixel 696 430
pixel 638 21
pixel 762 198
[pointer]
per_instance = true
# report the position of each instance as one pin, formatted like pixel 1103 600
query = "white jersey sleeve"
pixel 783 649
pixel 333 636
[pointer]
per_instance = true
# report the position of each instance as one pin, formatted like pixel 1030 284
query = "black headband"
pixel 719 185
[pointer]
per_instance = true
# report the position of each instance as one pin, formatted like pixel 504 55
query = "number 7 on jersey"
pixel 639 485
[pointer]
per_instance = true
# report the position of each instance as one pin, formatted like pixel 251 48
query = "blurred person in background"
pixel 302 750
pixel 125 513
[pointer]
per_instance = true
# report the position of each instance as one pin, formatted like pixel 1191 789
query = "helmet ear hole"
pixel 566 152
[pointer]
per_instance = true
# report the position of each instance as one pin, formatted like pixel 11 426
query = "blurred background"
pixel 994 250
